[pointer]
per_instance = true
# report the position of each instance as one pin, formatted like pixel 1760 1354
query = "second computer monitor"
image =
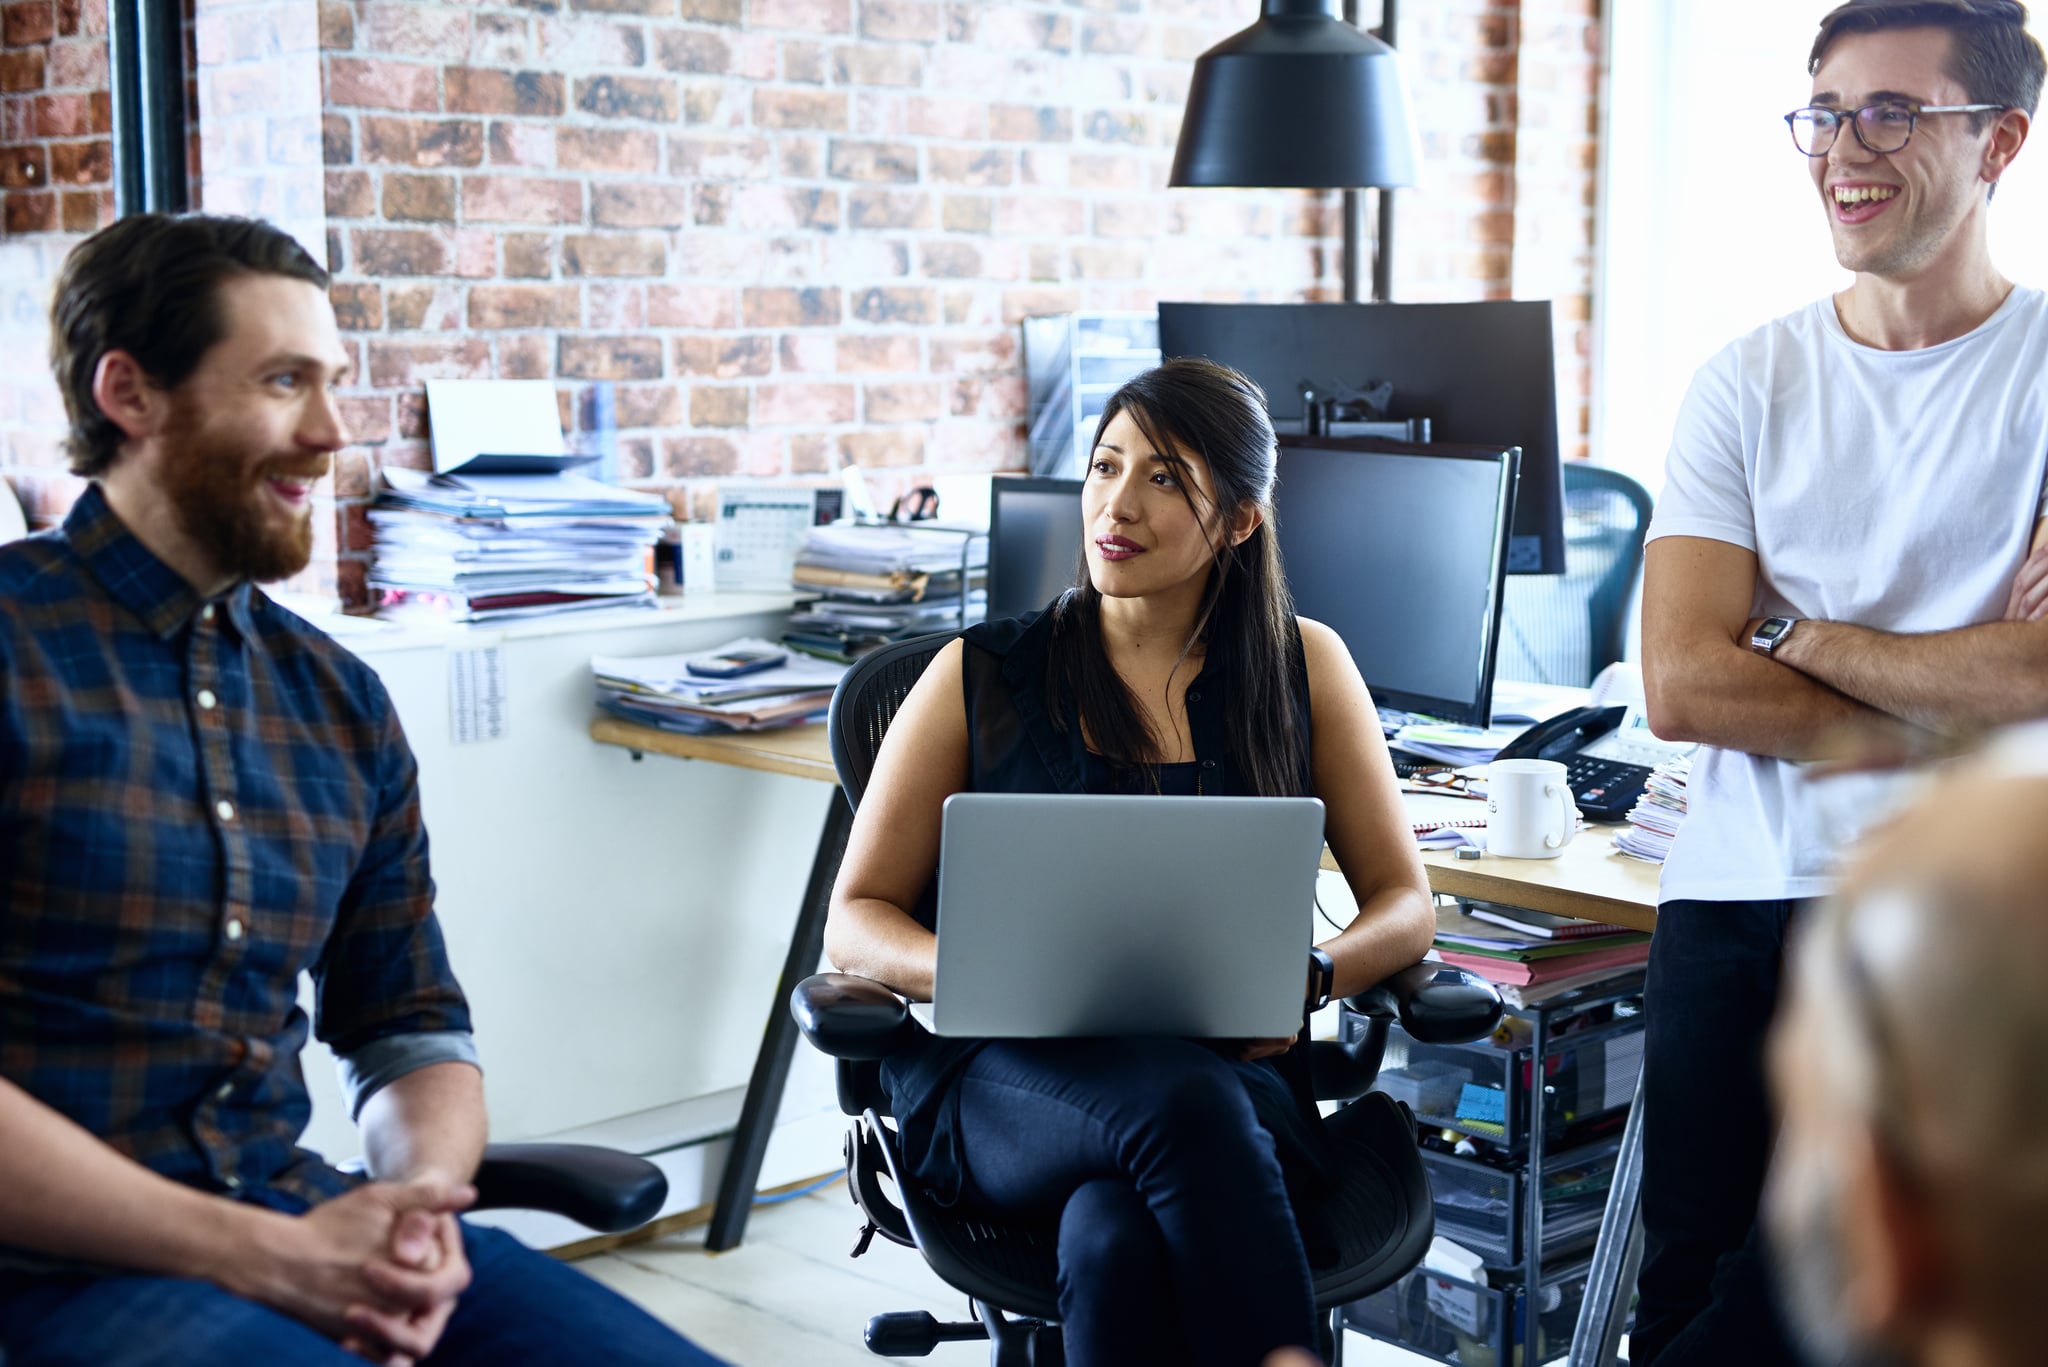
pixel 1034 543
pixel 1400 549
pixel 1481 373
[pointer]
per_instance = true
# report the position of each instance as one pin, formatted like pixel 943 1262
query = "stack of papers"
pixel 480 546
pixel 882 583
pixel 1654 822
pixel 1505 950
pixel 1458 746
pixel 661 690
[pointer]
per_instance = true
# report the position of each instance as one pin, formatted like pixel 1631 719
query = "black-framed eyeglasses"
pixel 1879 127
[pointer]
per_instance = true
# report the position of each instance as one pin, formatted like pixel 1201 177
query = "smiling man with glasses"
pixel 1852 496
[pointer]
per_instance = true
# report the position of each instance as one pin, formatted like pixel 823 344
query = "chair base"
pixel 1022 1342
pixel 1011 1342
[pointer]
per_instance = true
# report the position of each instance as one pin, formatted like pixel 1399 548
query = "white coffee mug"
pixel 1530 813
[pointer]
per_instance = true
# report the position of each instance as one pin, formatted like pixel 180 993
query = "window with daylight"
pixel 1709 221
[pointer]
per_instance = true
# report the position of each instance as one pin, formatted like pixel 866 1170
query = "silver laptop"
pixel 1067 915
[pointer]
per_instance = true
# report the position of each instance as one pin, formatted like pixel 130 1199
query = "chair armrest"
pixel 1436 1003
pixel 603 1189
pixel 850 1017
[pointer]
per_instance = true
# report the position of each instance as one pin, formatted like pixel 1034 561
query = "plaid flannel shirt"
pixel 199 801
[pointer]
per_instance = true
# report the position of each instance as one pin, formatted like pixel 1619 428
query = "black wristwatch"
pixel 1771 633
pixel 1325 969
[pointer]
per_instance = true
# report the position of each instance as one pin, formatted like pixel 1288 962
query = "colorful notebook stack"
pixel 1530 955
pixel 1653 825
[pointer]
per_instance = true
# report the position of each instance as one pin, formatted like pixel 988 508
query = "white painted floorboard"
pixel 790 1297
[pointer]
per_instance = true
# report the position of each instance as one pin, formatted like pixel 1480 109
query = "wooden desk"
pixel 1588 881
pixel 799 751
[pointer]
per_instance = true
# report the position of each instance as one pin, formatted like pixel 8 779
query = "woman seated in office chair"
pixel 1176 1168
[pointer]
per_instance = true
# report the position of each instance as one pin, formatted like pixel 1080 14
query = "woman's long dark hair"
pixel 1246 615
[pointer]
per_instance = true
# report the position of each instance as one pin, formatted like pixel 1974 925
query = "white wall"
pixel 618 926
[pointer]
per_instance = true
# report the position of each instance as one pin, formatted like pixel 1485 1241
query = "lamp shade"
pixel 1300 99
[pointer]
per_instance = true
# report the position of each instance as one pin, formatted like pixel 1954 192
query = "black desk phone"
pixel 1607 753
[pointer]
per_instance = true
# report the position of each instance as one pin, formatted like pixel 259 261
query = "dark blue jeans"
pixel 521 1307
pixel 1177 1242
pixel 1705 1293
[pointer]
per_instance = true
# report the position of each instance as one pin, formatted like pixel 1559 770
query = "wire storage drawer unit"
pixel 1471 1324
pixel 1483 1090
pixel 1479 1206
pixel 1549 1094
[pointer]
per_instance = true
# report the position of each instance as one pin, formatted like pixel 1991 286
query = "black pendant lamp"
pixel 1300 99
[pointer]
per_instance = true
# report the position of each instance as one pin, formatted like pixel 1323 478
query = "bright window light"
pixel 1710 224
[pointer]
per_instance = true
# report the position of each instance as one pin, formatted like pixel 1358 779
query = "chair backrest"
pixel 866 701
pixel 1564 629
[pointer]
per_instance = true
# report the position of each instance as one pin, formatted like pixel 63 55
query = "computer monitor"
pixel 1400 549
pixel 1481 373
pixel 1034 543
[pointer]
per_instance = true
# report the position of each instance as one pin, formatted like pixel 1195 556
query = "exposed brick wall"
pixel 1506 96
pixel 796 231
pixel 790 231
pixel 56 185
pixel 1556 159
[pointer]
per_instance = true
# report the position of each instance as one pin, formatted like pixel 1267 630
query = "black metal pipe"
pixel 146 59
pixel 163 105
pixel 1354 203
pixel 1383 248
pixel 124 70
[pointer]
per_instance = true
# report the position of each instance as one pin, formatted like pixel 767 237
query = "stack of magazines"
pixel 1529 955
pixel 884 582
pixel 1654 822
pixel 487 548
pixel 666 691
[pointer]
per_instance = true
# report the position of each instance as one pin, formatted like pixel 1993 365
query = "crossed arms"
pixel 1829 680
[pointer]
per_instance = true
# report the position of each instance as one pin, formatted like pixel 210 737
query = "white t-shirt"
pixel 1891 489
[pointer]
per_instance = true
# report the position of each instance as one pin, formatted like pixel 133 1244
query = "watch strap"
pixel 1326 976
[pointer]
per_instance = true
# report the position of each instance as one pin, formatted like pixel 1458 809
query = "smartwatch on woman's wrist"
pixel 1324 971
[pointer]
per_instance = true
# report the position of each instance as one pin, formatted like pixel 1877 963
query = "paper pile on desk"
pixel 503 526
pixel 1457 746
pixel 489 547
pixel 1658 813
pixel 660 690
pixel 884 582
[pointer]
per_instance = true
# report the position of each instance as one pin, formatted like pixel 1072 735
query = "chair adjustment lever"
pixel 914 1333
pixel 867 1236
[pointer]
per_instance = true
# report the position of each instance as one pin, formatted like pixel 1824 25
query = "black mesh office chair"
pixel 1564 629
pixel 1381 1212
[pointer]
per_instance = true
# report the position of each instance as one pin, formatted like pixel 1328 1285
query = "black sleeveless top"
pixel 1015 747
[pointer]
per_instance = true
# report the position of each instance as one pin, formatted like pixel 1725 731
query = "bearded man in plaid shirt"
pixel 201 797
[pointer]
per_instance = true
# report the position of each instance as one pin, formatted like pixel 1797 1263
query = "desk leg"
pixel 1532 1187
pixel 778 1043
pixel 1618 1255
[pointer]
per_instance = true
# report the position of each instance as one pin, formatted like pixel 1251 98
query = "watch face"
pixel 1770 631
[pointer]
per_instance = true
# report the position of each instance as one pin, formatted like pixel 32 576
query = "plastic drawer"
pixel 1467 1323
pixel 1480 1206
pixel 1588 1078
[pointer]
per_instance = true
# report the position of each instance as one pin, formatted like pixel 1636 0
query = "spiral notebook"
pixel 1439 811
